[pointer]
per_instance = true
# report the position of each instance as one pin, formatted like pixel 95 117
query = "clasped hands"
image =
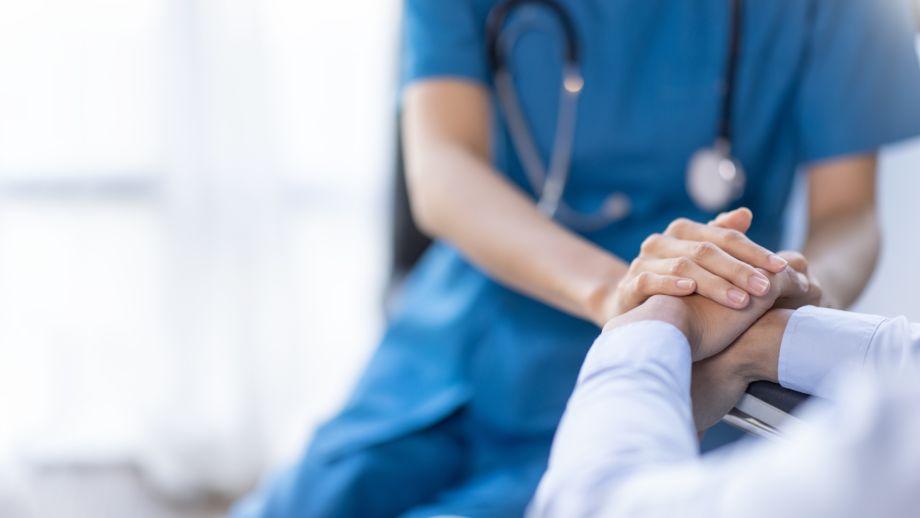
pixel 730 297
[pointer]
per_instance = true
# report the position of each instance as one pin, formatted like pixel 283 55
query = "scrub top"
pixel 816 79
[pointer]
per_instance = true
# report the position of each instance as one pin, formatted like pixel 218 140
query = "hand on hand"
pixel 719 382
pixel 740 220
pixel 716 261
pixel 721 376
pixel 714 327
pixel 709 320
pixel 709 326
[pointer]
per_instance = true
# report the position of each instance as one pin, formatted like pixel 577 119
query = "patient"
pixel 855 458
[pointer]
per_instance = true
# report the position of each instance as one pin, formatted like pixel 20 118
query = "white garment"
pixel 627 445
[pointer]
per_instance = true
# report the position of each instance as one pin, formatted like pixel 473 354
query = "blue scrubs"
pixel 456 410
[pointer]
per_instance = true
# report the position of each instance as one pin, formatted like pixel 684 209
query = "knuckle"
pixel 650 243
pixel 742 271
pixel 734 236
pixel 636 266
pixel 631 269
pixel 703 250
pixel 678 226
pixel 680 266
pixel 643 282
pixel 797 261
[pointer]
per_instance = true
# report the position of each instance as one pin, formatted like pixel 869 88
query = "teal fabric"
pixel 817 79
pixel 457 467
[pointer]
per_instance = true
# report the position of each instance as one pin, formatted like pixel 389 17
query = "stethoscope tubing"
pixel 731 73
pixel 549 185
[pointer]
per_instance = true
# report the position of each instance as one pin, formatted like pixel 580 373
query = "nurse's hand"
pixel 717 261
pixel 814 295
pixel 711 327
pixel 719 382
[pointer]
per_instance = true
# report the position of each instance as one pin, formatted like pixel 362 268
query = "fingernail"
pixel 759 284
pixel 776 262
pixel 685 284
pixel 737 296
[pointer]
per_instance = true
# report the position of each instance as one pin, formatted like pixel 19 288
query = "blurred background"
pixel 195 240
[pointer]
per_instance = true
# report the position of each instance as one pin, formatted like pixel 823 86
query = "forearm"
pixel 842 255
pixel 500 230
pixel 843 234
pixel 459 197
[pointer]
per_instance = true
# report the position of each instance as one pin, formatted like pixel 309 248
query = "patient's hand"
pixel 721 376
pixel 719 382
pixel 813 296
pixel 717 326
pixel 709 326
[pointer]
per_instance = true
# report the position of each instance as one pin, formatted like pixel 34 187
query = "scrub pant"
pixel 456 467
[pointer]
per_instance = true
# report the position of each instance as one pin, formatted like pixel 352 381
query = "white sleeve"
pixel 630 409
pixel 846 461
pixel 819 342
pixel 626 446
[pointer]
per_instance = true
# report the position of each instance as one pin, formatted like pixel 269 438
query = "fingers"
pixel 730 240
pixel 707 283
pixel 796 260
pixel 738 219
pixel 792 283
pixel 647 284
pixel 640 287
pixel 799 264
pixel 715 260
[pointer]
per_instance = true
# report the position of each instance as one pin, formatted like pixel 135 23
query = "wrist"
pixel 600 304
pixel 663 308
pixel 675 311
pixel 756 352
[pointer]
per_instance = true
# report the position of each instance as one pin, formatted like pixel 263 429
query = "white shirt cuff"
pixel 820 341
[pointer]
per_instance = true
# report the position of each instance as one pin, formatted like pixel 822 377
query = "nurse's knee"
pixel 314 487
pixel 360 484
pixel 343 487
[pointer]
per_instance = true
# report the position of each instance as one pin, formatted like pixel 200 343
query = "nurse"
pixel 455 413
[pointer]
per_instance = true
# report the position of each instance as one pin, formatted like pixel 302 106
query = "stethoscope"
pixel 714 178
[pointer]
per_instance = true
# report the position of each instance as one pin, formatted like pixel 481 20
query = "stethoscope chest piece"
pixel 714 178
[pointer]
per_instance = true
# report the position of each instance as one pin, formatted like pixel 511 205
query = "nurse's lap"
pixel 385 480
pixel 504 492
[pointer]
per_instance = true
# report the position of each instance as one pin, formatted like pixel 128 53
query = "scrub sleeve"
pixel 860 85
